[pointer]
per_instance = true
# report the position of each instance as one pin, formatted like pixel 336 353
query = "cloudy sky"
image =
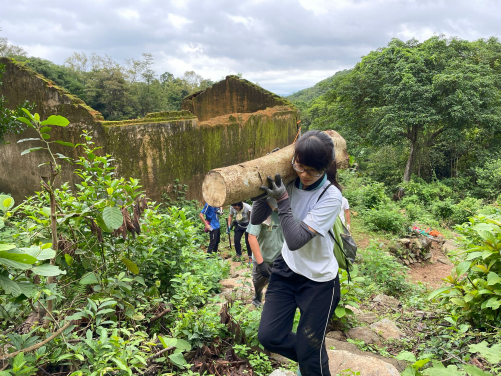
pixel 284 45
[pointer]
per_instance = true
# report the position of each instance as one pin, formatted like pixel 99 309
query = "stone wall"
pixel 157 149
pixel 232 95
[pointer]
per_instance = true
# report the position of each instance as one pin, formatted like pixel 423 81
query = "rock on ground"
pixel 367 366
pixel 386 300
pixel 387 329
pixel 336 334
pixel 279 372
pixel 344 346
pixel 363 333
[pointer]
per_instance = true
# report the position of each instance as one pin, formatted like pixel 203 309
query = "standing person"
pixel 305 275
pixel 241 211
pixel 266 241
pixel 212 227
pixel 344 214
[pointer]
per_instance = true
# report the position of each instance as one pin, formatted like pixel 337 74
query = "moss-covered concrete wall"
pixel 157 149
pixel 232 95
pixel 159 153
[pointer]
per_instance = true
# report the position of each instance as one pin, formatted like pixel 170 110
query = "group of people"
pixel 286 233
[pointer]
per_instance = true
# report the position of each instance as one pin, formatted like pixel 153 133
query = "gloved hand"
pixel 228 230
pixel 348 228
pixel 265 269
pixel 276 188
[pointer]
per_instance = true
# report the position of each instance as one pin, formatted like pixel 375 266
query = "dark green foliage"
pixel 386 218
pixel 383 270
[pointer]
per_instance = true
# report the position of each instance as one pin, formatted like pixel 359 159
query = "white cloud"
pixel 178 21
pixel 128 14
pixel 284 45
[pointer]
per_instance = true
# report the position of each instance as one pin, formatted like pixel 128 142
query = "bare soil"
pixel 431 273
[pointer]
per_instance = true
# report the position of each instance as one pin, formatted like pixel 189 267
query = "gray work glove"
pixel 265 269
pixel 276 188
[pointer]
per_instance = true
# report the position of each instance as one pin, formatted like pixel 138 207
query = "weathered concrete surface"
pixel 157 149
pixel 232 95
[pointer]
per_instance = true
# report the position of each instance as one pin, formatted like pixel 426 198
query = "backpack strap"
pixel 334 238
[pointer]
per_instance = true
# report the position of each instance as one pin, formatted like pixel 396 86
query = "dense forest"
pixel 97 279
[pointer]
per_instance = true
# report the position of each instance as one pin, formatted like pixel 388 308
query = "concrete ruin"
pixel 229 123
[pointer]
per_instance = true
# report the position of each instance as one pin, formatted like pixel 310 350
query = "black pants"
pixel 239 231
pixel 215 236
pixel 316 301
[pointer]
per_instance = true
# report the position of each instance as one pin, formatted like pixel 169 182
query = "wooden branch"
pixel 157 355
pixel 40 344
pixel 161 314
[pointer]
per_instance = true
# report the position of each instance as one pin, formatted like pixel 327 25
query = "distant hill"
pixel 317 90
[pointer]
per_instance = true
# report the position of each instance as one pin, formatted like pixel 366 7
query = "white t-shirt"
pixel 344 206
pixel 315 260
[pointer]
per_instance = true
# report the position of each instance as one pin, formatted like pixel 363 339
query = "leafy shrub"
pixel 387 165
pixel 465 209
pixel 489 178
pixel 443 210
pixel 385 218
pixel 384 270
pixel 427 192
pixel 475 291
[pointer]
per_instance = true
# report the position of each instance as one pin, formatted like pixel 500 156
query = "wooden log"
pixel 227 185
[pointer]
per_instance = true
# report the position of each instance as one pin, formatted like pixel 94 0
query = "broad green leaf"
pixel 100 222
pixel 48 270
pixel 462 268
pixel 6 247
pixel 112 217
pixel 475 371
pixel 340 311
pixel 493 278
pixel 45 129
pixel 8 285
pixel 90 279
pixel 45 136
pixel 459 302
pixel 131 266
pixel 30 150
pixel 15 264
pixel 420 363
pixel 178 360
pixel 68 258
pixel 58 120
pixel 451 370
pixel 19 257
pixel 492 354
pixel 183 345
pixel 27 288
pixel 25 121
pixel 493 303
pixel 406 355
pixel 64 143
pixel 120 364
pixel 40 254
pixel 438 292
pixel 167 342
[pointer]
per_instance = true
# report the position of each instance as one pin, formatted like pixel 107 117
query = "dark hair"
pixel 239 204
pixel 315 149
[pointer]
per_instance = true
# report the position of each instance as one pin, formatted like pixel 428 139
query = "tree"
pixel 9 50
pixel 421 92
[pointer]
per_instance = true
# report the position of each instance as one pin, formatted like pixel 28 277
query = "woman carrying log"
pixel 305 275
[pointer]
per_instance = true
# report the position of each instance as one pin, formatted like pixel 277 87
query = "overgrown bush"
pixel 381 268
pixel 387 217
pixel 474 293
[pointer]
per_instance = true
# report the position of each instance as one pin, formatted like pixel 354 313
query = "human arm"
pixel 263 267
pixel 260 211
pixel 230 219
pixel 347 218
pixel 203 220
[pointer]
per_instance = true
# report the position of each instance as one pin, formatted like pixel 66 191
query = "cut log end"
pixel 214 189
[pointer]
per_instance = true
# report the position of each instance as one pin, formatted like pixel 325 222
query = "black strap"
pixel 335 240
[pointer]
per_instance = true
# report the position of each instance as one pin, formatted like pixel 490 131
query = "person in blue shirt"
pixel 211 223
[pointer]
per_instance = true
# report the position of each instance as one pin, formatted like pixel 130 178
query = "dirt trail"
pixel 433 272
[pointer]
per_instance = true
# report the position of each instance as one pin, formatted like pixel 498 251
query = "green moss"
pixel 51 84
pixel 155 117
